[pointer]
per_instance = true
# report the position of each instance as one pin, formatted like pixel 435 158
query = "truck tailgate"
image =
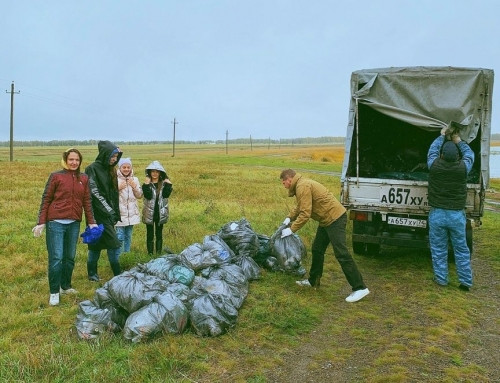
pixel 398 196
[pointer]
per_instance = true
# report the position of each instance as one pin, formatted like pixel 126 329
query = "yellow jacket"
pixel 313 201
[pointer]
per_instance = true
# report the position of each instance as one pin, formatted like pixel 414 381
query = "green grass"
pixel 406 330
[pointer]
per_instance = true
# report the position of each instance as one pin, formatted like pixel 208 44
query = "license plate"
pixel 403 196
pixel 402 221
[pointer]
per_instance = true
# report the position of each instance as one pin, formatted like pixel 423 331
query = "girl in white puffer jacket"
pixel 130 191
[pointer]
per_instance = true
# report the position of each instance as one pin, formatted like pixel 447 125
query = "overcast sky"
pixel 123 69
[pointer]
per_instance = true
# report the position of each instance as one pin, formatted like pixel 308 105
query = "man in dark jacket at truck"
pixel 449 162
pixel 105 204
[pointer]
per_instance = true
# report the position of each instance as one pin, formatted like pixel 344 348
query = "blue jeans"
pixel 61 242
pixel 124 234
pixel 113 257
pixel 443 225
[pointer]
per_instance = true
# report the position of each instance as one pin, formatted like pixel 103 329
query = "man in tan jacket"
pixel 315 201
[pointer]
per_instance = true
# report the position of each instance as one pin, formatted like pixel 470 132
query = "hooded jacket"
pixel 129 207
pixel 313 201
pixel 155 207
pixel 103 186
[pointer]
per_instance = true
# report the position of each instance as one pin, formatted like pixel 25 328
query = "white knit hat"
pixel 124 161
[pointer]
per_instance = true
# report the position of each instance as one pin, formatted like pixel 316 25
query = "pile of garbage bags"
pixel 202 288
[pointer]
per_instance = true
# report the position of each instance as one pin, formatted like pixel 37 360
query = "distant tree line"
pixel 237 141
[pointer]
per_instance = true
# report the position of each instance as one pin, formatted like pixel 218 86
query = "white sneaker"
pixel 54 299
pixel 357 295
pixel 304 283
pixel 68 291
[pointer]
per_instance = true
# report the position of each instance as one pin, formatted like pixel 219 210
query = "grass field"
pixel 407 330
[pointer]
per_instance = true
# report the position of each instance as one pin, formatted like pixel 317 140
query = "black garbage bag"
pixel 103 300
pixel 159 266
pixel 180 290
pixel 92 321
pixel 211 308
pixel 201 255
pixel 288 251
pixel 249 267
pixel 177 315
pixel 145 323
pixel 235 278
pixel 232 274
pixel 272 264
pixel 240 237
pixel 264 250
pixel 217 242
pixel 165 314
pixel 181 274
pixel 198 280
pixel 170 268
pixel 133 290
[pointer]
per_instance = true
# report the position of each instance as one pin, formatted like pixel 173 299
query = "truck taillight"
pixel 360 216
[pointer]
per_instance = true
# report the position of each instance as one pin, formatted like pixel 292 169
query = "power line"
pixel 91 108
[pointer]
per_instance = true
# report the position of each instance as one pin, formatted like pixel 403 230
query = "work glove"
pixel 38 229
pixel 286 221
pixel 286 232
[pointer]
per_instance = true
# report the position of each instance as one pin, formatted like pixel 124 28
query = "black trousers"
pixel 336 235
pixel 154 230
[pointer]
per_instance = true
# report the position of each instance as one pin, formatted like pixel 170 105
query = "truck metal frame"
pixel 394 115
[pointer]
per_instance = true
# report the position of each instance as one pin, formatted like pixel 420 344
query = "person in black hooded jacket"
pixel 155 213
pixel 105 204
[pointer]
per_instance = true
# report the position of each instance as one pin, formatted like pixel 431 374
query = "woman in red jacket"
pixel 65 197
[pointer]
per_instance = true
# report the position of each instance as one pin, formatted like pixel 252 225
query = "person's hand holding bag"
pixel 286 221
pixel 456 138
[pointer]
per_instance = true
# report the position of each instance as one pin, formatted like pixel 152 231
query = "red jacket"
pixel 66 196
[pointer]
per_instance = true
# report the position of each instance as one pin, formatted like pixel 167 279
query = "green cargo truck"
pixel 394 115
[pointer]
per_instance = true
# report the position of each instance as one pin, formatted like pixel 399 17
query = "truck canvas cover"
pixel 427 98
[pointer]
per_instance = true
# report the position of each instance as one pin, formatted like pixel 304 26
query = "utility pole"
pixel 227 134
pixel 12 119
pixel 175 123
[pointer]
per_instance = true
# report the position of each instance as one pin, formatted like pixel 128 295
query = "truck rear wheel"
pixel 364 248
pixel 469 236
pixel 359 248
pixel 373 248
